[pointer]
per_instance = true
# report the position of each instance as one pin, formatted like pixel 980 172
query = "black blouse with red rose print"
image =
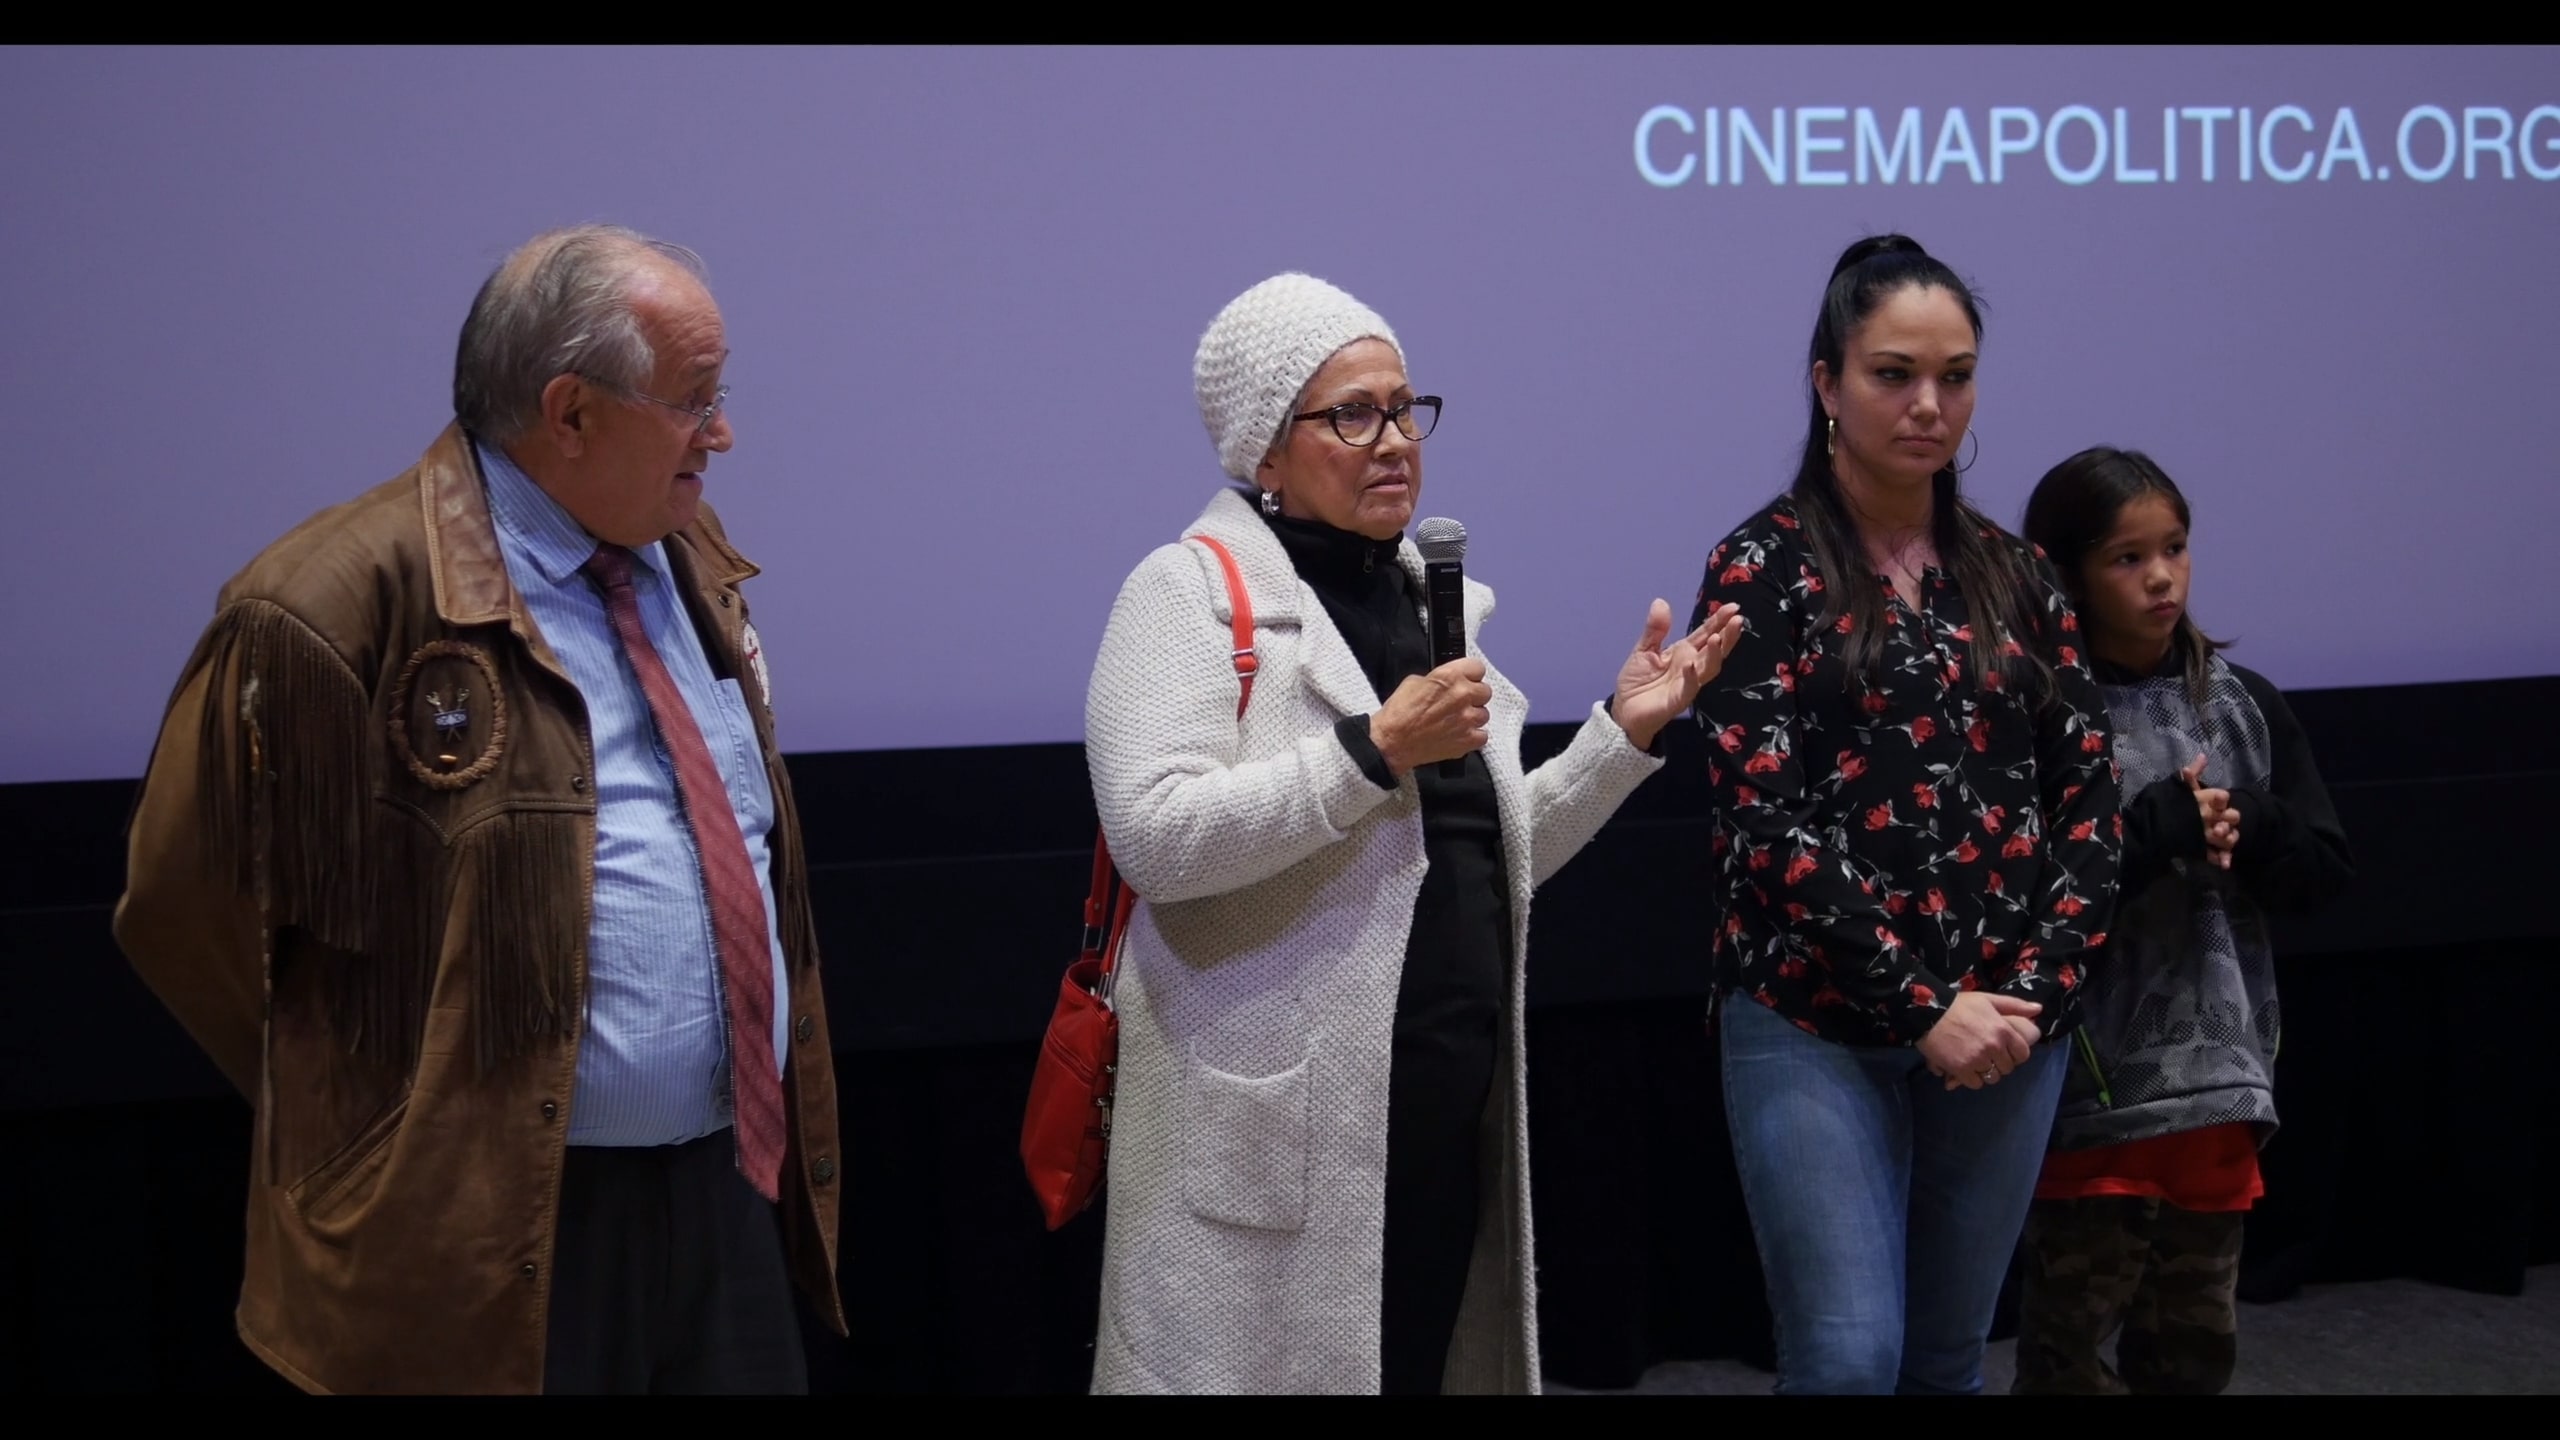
pixel 1886 848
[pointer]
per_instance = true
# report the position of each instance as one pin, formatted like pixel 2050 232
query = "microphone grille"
pixel 1440 539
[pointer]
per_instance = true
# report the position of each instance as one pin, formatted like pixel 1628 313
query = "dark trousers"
pixel 2160 1280
pixel 1435 1116
pixel 668 1278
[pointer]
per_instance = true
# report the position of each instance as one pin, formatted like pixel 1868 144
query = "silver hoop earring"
pixel 1831 436
pixel 1976 437
pixel 1271 502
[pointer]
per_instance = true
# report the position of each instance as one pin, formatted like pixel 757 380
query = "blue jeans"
pixel 1886 1207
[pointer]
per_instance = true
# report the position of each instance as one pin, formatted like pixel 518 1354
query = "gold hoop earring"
pixel 1831 436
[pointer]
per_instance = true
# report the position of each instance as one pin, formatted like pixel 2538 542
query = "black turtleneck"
pixel 1456 960
pixel 1457 963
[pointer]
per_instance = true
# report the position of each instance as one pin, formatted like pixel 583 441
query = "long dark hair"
pixel 2074 509
pixel 1978 552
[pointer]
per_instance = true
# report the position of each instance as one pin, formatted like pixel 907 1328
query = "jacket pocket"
pixel 1244 1146
pixel 346 1177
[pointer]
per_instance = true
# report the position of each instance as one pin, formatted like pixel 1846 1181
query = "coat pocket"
pixel 348 1176
pixel 1244 1146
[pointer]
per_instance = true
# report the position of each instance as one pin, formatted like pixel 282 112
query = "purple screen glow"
pixel 962 287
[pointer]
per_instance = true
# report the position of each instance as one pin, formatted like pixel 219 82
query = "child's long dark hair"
pixel 2073 510
pixel 1974 550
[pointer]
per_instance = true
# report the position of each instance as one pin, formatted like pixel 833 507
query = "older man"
pixel 468 854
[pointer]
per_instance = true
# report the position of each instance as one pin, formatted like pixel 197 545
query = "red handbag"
pixel 1066 1127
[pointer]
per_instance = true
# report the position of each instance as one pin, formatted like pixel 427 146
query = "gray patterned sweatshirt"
pixel 2181 1020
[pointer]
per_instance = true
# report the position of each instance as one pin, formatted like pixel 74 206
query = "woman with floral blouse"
pixel 1917 834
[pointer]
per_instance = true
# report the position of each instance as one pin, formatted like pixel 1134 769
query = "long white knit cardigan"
pixel 1245 1197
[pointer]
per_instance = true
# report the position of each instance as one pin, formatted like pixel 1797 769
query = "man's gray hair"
pixel 561 304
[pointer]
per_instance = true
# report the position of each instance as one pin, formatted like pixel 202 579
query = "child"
pixel 2154 1159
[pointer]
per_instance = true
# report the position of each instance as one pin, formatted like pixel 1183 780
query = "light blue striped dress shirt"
pixel 653 1064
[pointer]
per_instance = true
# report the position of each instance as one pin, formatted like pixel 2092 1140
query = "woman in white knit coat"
pixel 1252 1224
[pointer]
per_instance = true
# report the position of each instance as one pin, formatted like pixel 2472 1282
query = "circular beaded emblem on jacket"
pixel 448 716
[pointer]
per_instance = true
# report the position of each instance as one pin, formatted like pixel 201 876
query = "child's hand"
pixel 2213 809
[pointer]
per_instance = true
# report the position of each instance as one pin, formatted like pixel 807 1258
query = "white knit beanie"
pixel 1261 351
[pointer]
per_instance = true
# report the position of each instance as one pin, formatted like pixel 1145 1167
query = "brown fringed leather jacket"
pixel 368 901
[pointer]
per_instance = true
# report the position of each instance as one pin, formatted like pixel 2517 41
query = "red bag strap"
pixel 1097 904
pixel 1247 658
pixel 1103 939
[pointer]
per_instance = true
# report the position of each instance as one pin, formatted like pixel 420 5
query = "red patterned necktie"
pixel 728 882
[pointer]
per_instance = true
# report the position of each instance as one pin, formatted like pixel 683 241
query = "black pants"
pixel 668 1278
pixel 1435 1116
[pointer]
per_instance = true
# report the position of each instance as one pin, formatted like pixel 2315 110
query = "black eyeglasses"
pixel 1359 423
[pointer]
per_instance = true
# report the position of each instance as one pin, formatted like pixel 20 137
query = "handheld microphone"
pixel 1443 543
